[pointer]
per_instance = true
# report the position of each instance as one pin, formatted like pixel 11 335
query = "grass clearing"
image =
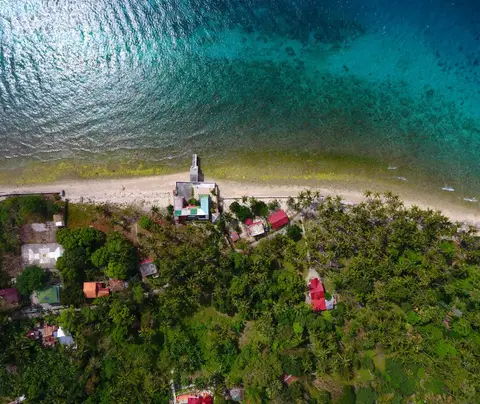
pixel 81 215
pixel 250 334
pixel 364 375
pixel 379 360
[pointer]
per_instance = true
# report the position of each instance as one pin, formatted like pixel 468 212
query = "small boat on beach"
pixel 448 189
pixel 401 178
pixel 474 200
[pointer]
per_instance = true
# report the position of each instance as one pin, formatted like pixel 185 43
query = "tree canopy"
pixel 32 278
pixel 405 327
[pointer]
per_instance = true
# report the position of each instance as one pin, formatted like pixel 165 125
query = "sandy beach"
pixel 157 190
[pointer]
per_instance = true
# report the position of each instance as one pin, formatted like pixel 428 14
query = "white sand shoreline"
pixel 157 190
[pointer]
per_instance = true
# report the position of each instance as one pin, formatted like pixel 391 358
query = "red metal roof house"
pixel 317 294
pixel 316 289
pixel 278 219
pixel 200 400
pixel 196 399
pixel 9 296
pixel 319 304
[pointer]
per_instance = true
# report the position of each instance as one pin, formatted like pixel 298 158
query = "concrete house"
pixel 192 199
pixel 42 255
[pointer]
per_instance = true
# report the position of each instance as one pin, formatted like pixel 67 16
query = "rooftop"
pixel 256 229
pixel 9 296
pixel 278 219
pixel 43 255
pixel 195 399
pixel 148 268
pixel 191 190
pixel 92 290
pixel 63 337
pixel 201 211
pixel 317 295
pixel 58 220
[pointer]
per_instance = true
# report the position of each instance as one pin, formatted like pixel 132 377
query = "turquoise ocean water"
pixel 396 80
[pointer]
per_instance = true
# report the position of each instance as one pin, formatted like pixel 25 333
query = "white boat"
pixel 401 178
pixel 391 168
pixel 474 200
pixel 448 189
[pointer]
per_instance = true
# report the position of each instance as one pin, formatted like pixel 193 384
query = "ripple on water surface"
pixel 397 82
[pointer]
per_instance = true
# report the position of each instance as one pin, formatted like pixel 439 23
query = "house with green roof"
pixel 192 200
pixel 186 211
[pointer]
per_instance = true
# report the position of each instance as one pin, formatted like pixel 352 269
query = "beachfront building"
pixel 278 219
pixel 92 290
pixel 255 228
pixel 184 210
pixel 192 199
pixel 42 255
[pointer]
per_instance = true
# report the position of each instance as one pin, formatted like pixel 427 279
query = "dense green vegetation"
pixel 15 212
pixel 90 255
pixel 32 278
pixel 406 327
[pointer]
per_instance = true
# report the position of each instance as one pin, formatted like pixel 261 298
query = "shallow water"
pixel 156 80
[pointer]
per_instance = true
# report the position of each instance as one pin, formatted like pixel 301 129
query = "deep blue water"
pixel 396 80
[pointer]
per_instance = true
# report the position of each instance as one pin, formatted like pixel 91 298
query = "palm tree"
pixel 155 210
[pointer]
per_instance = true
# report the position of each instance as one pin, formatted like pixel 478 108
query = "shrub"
pixel 294 232
pixel 145 223
pixel 259 208
pixel 348 396
pixel 274 205
pixel 366 395
pixel 242 212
